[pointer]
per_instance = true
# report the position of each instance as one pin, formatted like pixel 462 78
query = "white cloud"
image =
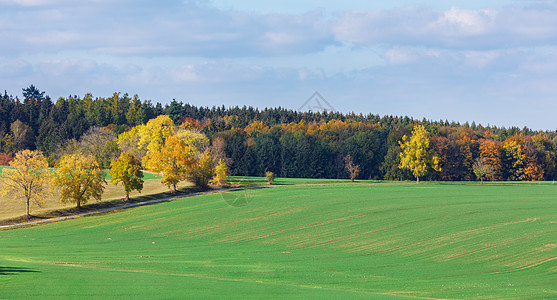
pixel 171 28
pixel 455 28
pixel 466 22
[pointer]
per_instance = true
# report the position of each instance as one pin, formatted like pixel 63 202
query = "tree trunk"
pixel 418 179
pixel 174 186
pixel 27 210
pixel 127 198
pixel 78 204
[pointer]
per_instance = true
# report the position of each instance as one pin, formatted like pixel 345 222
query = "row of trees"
pixel 177 152
pixel 285 142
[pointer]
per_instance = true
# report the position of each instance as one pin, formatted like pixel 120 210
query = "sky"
pixel 493 62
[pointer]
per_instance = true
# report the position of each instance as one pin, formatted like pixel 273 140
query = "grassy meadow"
pixel 360 240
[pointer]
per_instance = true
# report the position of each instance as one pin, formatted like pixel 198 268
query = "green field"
pixel 361 240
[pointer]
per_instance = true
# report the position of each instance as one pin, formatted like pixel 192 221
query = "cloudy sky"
pixel 490 61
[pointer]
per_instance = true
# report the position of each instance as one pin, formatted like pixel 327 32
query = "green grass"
pixel 318 241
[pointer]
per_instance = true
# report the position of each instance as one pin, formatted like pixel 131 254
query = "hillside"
pixel 320 240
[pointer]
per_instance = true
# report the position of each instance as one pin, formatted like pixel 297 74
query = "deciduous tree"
pixel 202 169
pixel 127 170
pixel 27 178
pixel 22 135
pixel 101 143
pixel 221 173
pixel 482 169
pixel 153 135
pixel 514 158
pixel 416 154
pixel 491 151
pixel 79 178
pixel 270 176
pixel 352 168
pixel 174 160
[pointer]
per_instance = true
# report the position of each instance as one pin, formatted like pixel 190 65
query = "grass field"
pixel 334 240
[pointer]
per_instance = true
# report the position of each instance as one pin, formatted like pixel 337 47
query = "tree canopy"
pixel 27 178
pixel 416 154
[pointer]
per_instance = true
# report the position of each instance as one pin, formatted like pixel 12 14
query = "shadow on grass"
pixel 95 206
pixel 12 271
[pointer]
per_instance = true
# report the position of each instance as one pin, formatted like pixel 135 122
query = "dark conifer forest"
pixel 285 142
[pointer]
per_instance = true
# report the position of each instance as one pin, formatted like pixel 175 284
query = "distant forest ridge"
pixel 286 142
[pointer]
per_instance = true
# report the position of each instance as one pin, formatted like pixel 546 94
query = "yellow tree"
pixel 416 153
pixel 202 169
pixel 127 170
pixel 197 141
pixel 221 176
pixel 128 141
pixel 173 160
pixel 153 135
pixel 27 178
pixel 79 178
pixel 513 153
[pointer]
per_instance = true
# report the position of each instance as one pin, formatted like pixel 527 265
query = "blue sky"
pixel 493 61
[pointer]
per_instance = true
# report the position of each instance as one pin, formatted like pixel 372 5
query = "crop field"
pixel 352 240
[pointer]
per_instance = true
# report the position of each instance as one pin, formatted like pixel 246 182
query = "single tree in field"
pixel 27 178
pixel 79 178
pixel 482 169
pixel 174 160
pixel 221 176
pixel 127 170
pixel 416 153
pixel 352 168
pixel 270 176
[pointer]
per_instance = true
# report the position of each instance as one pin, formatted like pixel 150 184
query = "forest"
pixel 288 143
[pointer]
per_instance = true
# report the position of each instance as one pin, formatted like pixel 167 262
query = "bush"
pixel 5 159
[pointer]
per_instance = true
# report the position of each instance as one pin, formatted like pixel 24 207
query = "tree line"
pixel 252 142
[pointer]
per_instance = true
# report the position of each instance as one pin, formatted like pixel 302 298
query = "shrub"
pixel 5 159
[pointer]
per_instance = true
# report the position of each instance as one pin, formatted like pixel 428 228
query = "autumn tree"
pixel 128 141
pixel 127 170
pixel 27 178
pixel 79 178
pixel 174 160
pixel 416 153
pixel 153 135
pixel 513 153
pixel 352 168
pixel 218 151
pixel 491 151
pixel 201 170
pixel 270 176
pixel 22 135
pixel 482 169
pixel 101 143
pixel 221 173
